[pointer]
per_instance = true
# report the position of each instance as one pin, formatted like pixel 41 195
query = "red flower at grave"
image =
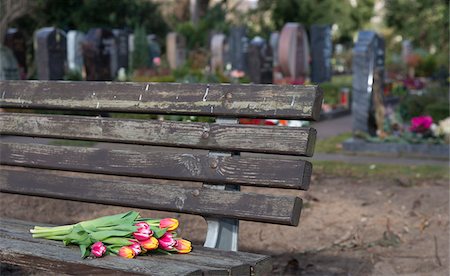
pixel 421 124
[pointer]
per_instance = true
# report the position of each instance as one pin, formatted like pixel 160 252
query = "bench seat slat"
pixel 19 248
pixel 152 194
pixel 255 101
pixel 240 170
pixel 264 139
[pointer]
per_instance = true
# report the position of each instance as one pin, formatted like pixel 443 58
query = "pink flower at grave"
pixel 98 249
pixel 421 124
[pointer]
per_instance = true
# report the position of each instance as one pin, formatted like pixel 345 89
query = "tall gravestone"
pixel 260 61
pixel 321 51
pixel 293 51
pixel 15 41
pixel 75 50
pixel 176 50
pixel 100 54
pixel 9 69
pixel 238 46
pixel 274 40
pixel 50 53
pixel 219 50
pixel 368 78
pixel 122 48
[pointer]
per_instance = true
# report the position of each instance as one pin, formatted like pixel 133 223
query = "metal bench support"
pixel 222 233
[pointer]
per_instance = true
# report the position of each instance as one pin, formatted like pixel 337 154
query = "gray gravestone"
pixel 238 48
pixel 260 61
pixel 321 50
pixel 293 51
pixel 274 40
pixel 154 50
pixel 9 69
pixel 122 48
pixel 130 48
pixel 219 49
pixel 176 50
pixel 50 53
pixel 100 54
pixel 368 76
pixel 75 50
pixel 15 41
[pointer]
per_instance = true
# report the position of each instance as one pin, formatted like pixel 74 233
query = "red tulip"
pixel 183 246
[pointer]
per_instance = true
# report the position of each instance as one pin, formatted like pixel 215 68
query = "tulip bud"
pixel 183 246
pixel 136 247
pixel 143 232
pixel 169 223
pixel 150 244
pixel 127 252
pixel 98 249
pixel 166 242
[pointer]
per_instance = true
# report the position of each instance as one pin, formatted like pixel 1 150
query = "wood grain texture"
pixel 200 260
pixel 152 194
pixel 240 170
pixel 255 101
pixel 263 139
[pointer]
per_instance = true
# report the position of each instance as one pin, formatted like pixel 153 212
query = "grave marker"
pixel 122 48
pixel 274 40
pixel 368 77
pixel 100 54
pixel 238 46
pixel 75 50
pixel 219 49
pixel 293 51
pixel 9 69
pixel 260 61
pixel 176 50
pixel 321 51
pixel 154 51
pixel 15 41
pixel 50 53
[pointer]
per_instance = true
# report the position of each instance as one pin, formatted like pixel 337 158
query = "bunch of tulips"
pixel 127 235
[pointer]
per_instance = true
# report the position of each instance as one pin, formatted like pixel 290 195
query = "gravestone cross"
pixel 321 50
pixel 368 78
pixel 50 53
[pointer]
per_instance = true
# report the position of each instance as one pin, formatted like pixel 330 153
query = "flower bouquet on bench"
pixel 127 235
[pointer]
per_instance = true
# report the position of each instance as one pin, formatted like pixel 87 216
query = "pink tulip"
pixel 169 223
pixel 98 249
pixel 183 246
pixel 136 247
pixel 166 242
pixel 143 232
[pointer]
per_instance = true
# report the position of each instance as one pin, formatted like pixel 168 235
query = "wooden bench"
pixel 155 179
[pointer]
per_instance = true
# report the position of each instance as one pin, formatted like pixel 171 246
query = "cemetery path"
pixel 332 127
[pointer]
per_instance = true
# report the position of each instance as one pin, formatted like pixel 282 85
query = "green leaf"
pixel 117 241
pixel 101 235
pixel 85 252
pixel 158 232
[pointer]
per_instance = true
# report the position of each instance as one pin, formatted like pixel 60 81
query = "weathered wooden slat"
pixel 152 194
pixel 255 101
pixel 233 263
pixel 241 170
pixel 264 139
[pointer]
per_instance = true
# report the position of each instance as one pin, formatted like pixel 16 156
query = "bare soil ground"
pixel 348 227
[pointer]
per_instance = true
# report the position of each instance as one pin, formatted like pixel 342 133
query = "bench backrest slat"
pixel 264 139
pixel 150 193
pixel 261 101
pixel 241 170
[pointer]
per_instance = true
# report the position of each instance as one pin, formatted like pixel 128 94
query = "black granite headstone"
pixel 154 50
pixel 321 50
pixel 238 48
pixel 50 53
pixel 100 54
pixel 122 48
pixel 15 41
pixel 368 76
pixel 260 61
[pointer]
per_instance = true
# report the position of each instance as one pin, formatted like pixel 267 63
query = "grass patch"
pixel 381 170
pixel 73 143
pixel 332 144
